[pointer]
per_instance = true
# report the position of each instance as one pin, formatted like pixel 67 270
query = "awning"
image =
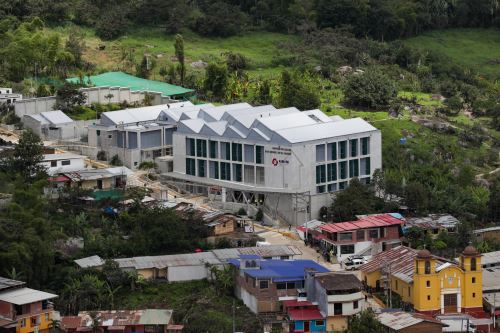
pixel 291 279
pixel 59 179
pixel 497 312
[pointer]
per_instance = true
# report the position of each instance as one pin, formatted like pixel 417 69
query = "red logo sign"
pixel 275 162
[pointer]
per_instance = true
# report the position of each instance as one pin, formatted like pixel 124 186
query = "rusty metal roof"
pixel 400 320
pixel 9 283
pixel 116 318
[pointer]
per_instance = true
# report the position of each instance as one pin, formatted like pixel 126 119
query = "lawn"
pixel 476 48
pixel 260 48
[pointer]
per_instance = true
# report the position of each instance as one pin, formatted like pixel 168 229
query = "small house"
pixel 51 125
pixel 405 322
pixel 61 163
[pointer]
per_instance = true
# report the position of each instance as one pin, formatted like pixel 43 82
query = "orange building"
pixel 24 310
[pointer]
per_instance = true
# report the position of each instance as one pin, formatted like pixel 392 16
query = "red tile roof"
pixel 304 314
pixel 365 222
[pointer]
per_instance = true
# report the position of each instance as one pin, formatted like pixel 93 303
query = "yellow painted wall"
pixel 371 278
pixel 43 326
pixel 472 292
pixel 336 324
pixel 146 273
pixel 107 183
pixel 401 288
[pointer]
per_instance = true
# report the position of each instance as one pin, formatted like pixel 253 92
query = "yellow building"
pixel 430 284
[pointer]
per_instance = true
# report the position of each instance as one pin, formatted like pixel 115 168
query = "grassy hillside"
pixel 259 47
pixel 476 48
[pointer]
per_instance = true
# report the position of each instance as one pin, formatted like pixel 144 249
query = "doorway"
pixel 450 303
pixel 307 326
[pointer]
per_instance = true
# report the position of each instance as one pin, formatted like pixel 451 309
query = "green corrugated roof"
pixel 120 79
pixel 107 194
pixel 155 317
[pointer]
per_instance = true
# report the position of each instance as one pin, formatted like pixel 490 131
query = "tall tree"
pixel 179 53
pixel 27 156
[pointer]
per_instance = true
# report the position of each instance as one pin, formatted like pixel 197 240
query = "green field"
pixel 476 48
pixel 260 48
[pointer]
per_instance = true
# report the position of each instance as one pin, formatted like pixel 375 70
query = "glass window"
pixel 331 172
pixel 214 170
pixel 237 174
pixel 373 233
pixel 343 149
pixel 249 174
pixel 320 323
pixel 249 154
pixel 345 236
pixel 53 164
pixel 320 189
pixel 320 174
pixel 365 146
pixel 337 308
pixel 427 267
pixel 214 149
pixel 332 187
pixel 259 154
pixel 66 162
pixel 190 166
pixel 331 151
pixel 353 144
pixel 202 166
pixel 347 249
pixel 355 304
pixel 280 286
pixel 360 235
pixel 365 166
pixel 473 264
pixel 353 168
pixel 263 284
pixel 225 151
pixel 237 152
pixel 201 148
pixel 225 171
pixel 320 153
pixel 342 185
pixel 473 280
pixel 343 170
pixel 190 147
pixel 260 175
pixel 428 284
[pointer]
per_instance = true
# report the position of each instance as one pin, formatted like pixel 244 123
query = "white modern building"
pixel 65 162
pixel 7 96
pixel 140 134
pixel 289 161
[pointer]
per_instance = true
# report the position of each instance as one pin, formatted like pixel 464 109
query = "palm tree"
pixel 111 295
pixel 54 325
pixel 13 274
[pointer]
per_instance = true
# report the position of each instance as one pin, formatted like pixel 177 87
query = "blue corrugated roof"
pixel 281 269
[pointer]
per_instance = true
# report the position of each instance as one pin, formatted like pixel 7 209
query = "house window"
pixel 428 284
pixel 53 164
pixel 320 153
pixel 237 175
pixel 427 267
pixel 396 284
pixel 66 162
pixel 355 305
pixel 353 168
pixel 473 264
pixel 264 284
pixel 373 233
pixel 225 151
pixel 365 146
pixel 33 321
pixel 214 149
pixel 320 189
pixel 23 322
pixel 342 185
pixel 320 323
pixel 259 154
pixel 343 149
pixel 473 280
pixel 202 166
pixel 110 136
pixel 201 148
pixel 343 170
pixel 354 147
pixel 360 235
pixel 280 286
pixel 332 151
pixel 428 297
pixel 320 174
pixel 337 308
pixel 346 249
pixel 237 150
pixel 214 170
pixel 249 153
pixel 260 175
pixel 409 292
pixel 332 187
pixel 47 317
pixel 473 295
pixel 346 236
pixel 190 166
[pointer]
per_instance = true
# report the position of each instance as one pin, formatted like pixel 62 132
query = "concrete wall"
pixel 75 164
pixel 94 95
pixel 187 273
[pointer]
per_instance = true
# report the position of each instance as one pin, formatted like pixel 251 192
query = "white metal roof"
pixel 400 320
pixel 91 261
pixel 490 258
pixel 63 156
pixel 25 296
pixel 137 115
pixel 57 117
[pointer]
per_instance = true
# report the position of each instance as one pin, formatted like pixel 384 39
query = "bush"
pixel 259 216
pixel 111 25
pixel 295 91
pixel 115 161
pixel 241 211
pixel 372 89
pixel 101 155
pixel 220 20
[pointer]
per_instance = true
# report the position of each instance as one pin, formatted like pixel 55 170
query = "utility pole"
pixel 494 310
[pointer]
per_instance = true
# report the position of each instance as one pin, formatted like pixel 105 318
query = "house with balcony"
pixel 262 284
pixel 24 310
pixel 366 236
pixel 337 296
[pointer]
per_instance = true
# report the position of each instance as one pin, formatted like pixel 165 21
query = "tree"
pixel 235 62
pixel 68 97
pixel 179 53
pixel 263 95
pixel 116 161
pixel 294 92
pixel 220 19
pixel 365 322
pixel 372 89
pixel 216 79
pixel 75 45
pixel 112 24
pixel 143 69
pixel 28 156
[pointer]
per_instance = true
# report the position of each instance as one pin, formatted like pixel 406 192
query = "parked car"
pixel 352 263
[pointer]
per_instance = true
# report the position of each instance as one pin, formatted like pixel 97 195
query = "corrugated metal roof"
pixel 120 318
pixel 304 314
pixel 63 156
pixel 8 283
pixel 369 221
pixel 281 270
pixel 56 117
pixel 480 231
pixel 269 251
pixel 433 221
pixel 400 320
pixel 338 281
pixel 139 115
pixel 155 317
pixel 189 259
pixel 23 296
pixel 490 258
pixel 91 261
